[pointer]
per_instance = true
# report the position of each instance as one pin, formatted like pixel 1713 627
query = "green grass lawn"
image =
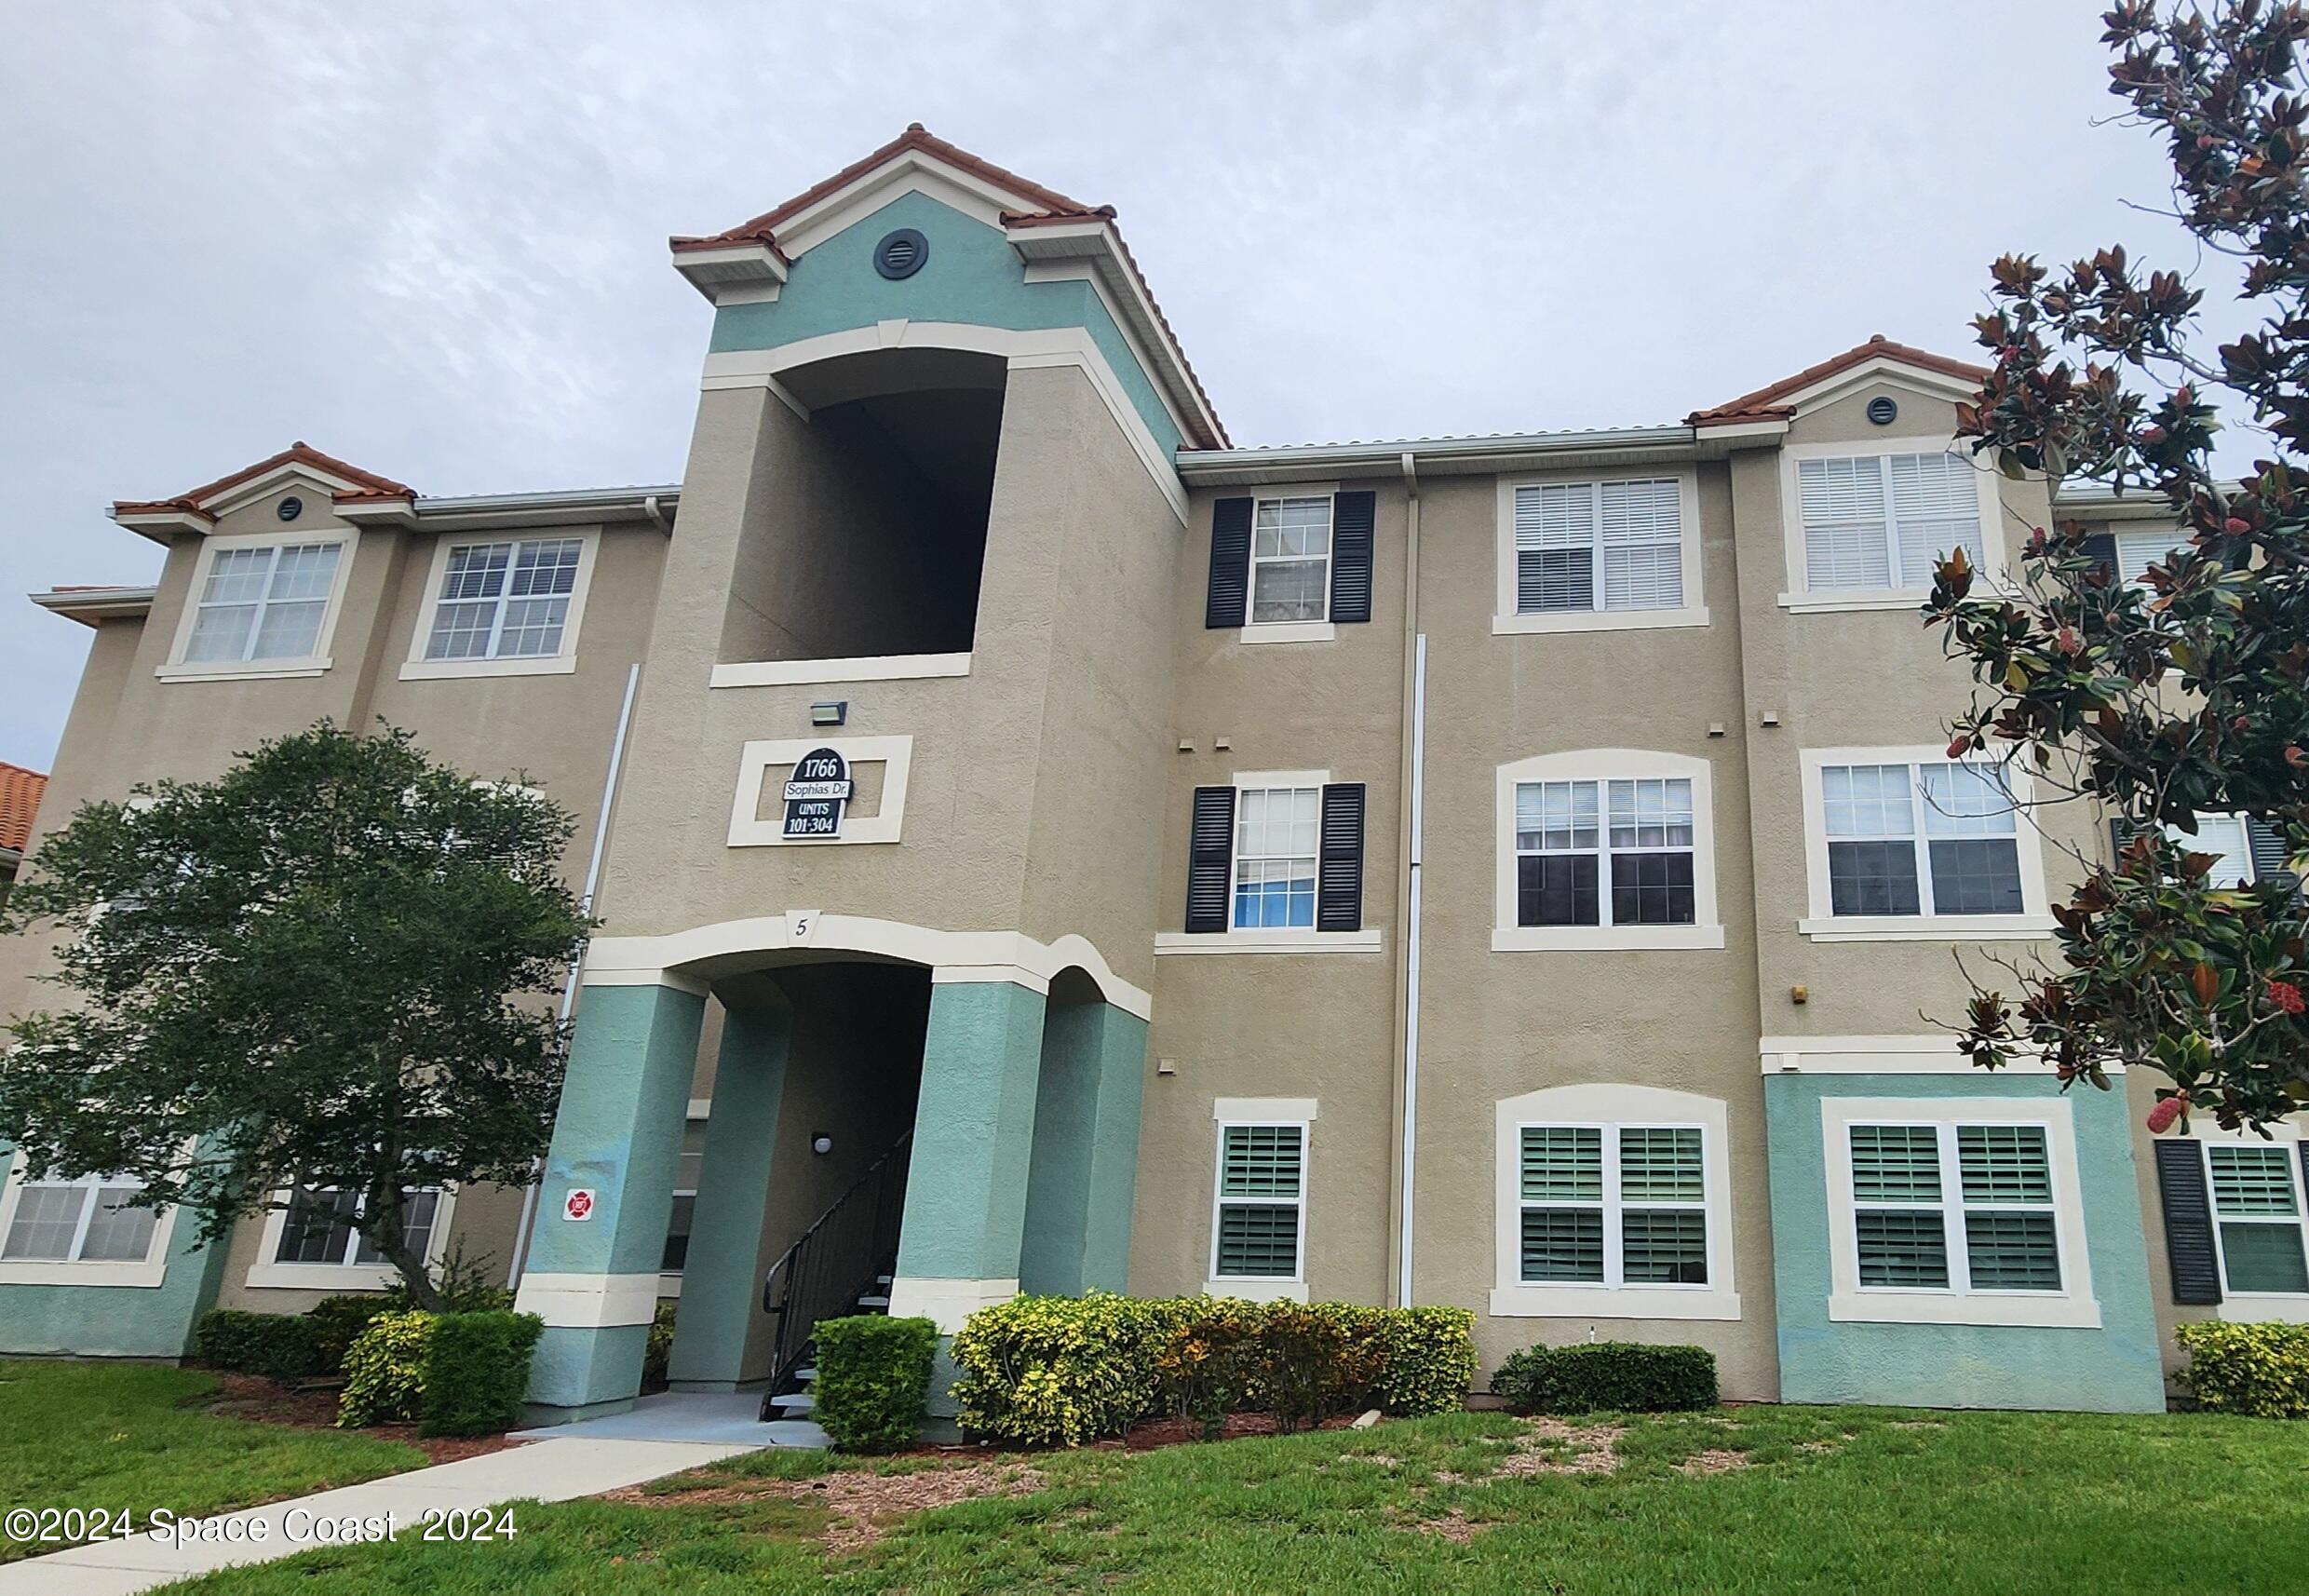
pixel 1787 1501
pixel 120 1436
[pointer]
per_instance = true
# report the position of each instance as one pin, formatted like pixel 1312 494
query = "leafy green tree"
pixel 2188 694
pixel 323 968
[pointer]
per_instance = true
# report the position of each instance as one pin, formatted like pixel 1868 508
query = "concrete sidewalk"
pixel 547 1471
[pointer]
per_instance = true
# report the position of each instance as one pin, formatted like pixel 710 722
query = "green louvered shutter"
pixel 1898 1164
pixel 2260 1219
pixel 1662 1164
pixel 1263 1166
pixel 1562 1164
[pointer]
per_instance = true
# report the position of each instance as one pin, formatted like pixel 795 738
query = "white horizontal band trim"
pixel 59 1272
pixel 982 975
pixel 946 1303
pixel 866 668
pixel 691 955
pixel 1831 603
pixel 1929 929
pixel 669 1285
pixel 1627 1302
pixel 1264 1110
pixel 1598 620
pixel 454 669
pixel 589 1302
pixel 1889 1056
pixel 1951 1307
pixel 1585 939
pixel 1257 1290
pixel 1277 940
pixel 1289 631
pixel 242 672
pixel 322 1276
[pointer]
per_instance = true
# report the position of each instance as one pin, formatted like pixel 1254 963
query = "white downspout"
pixel 1411 901
pixel 584 907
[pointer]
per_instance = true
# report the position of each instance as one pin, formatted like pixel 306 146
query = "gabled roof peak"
pixel 1768 404
pixel 194 508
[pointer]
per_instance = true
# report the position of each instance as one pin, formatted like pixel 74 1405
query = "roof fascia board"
pixel 90 608
pixel 225 500
pixel 162 526
pixel 753 266
pixel 910 171
pixel 1134 328
pixel 1440 456
pixel 1095 244
pixel 1874 369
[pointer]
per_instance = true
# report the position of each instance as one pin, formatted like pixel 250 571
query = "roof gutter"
pixel 1460 456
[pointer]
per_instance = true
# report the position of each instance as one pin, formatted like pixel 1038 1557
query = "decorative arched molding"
pixel 1608 1105
pixel 695 957
pixel 1603 764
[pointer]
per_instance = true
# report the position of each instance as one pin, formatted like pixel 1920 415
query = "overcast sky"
pixel 430 237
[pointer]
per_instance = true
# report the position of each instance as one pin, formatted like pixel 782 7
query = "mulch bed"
pixel 314 1406
pixel 1180 1432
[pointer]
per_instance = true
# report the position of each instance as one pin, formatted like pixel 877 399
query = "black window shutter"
pixel 1352 516
pixel 2120 832
pixel 1229 600
pixel 2268 852
pixel 1339 879
pixel 2188 1221
pixel 1210 858
pixel 2303 1148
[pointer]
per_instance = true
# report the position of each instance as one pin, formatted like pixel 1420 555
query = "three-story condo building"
pixel 1076 852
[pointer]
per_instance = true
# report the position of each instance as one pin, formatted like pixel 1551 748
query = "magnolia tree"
pixel 2186 693
pixel 326 969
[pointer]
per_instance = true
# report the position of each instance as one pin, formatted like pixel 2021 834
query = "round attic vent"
pixel 1882 410
pixel 289 507
pixel 901 253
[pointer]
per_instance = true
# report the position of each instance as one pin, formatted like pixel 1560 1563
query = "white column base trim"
pixel 589 1302
pixel 1250 1290
pixel 946 1303
pixel 1602 1302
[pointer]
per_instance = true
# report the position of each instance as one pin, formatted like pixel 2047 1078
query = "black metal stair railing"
pixel 832 1262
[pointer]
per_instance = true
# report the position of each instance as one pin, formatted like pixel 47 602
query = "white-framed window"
pixel 1259 1198
pixel 2260 1210
pixel 2229 842
pixel 263 605
pixel 677 1252
pixel 1290 559
pixel 2131 553
pixel 83 1220
pixel 309 1241
pixel 1606 848
pixel 1868 525
pixel 503 605
pixel 1614 1201
pixel 1278 841
pixel 1906 842
pixel 1599 553
pixel 1955 1211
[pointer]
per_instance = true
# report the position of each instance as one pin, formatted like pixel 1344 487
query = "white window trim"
pixel 1609 1106
pixel 1233 1111
pixel 419 668
pixel 1799 597
pixel 2243 1306
pixel 151 1271
pixel 749 831
pixel 1323 630
pixel 1506 621
pixel 2033 922
pixel 2245 826
pixel 179 668
pixel 267 1275
pixel 1270 939
pixel 2074 1305
pixel 1602 764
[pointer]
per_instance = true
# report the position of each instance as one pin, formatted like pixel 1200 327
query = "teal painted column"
pixel 1079 1187
pixel 974 1139
pixel 718 1285
pixel 618 1135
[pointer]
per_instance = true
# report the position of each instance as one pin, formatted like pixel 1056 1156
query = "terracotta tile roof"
pixel 19 801
pixel 1106 213
pixel 299 453
pixel 1763 404
pixel 760 228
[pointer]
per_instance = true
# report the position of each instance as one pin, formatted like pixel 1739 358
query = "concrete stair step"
pixel 874 1302
pixel 807 1376
pixel 794 1402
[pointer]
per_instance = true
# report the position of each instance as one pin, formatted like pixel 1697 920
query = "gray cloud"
pixel 430 237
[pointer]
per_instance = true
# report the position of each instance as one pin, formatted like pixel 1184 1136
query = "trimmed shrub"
pixel 1059 1370
pixel 1208 1360
pixel 279 1346
pixel 474 1372
pixel 338 1321
pixel 1428 1362
pixel 1315 1360
pixel 2260 1369
pixel 384 1371
pixel 873 1380
pixel 1616 1376
pixel 658 1350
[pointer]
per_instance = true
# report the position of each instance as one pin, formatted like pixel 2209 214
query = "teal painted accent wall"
pixel 718 1288
pixel 1079 1190
pixel 618 1132
pixel 115 1321
pixel 2115 1368
pixel 972 277
pixel 974 1133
